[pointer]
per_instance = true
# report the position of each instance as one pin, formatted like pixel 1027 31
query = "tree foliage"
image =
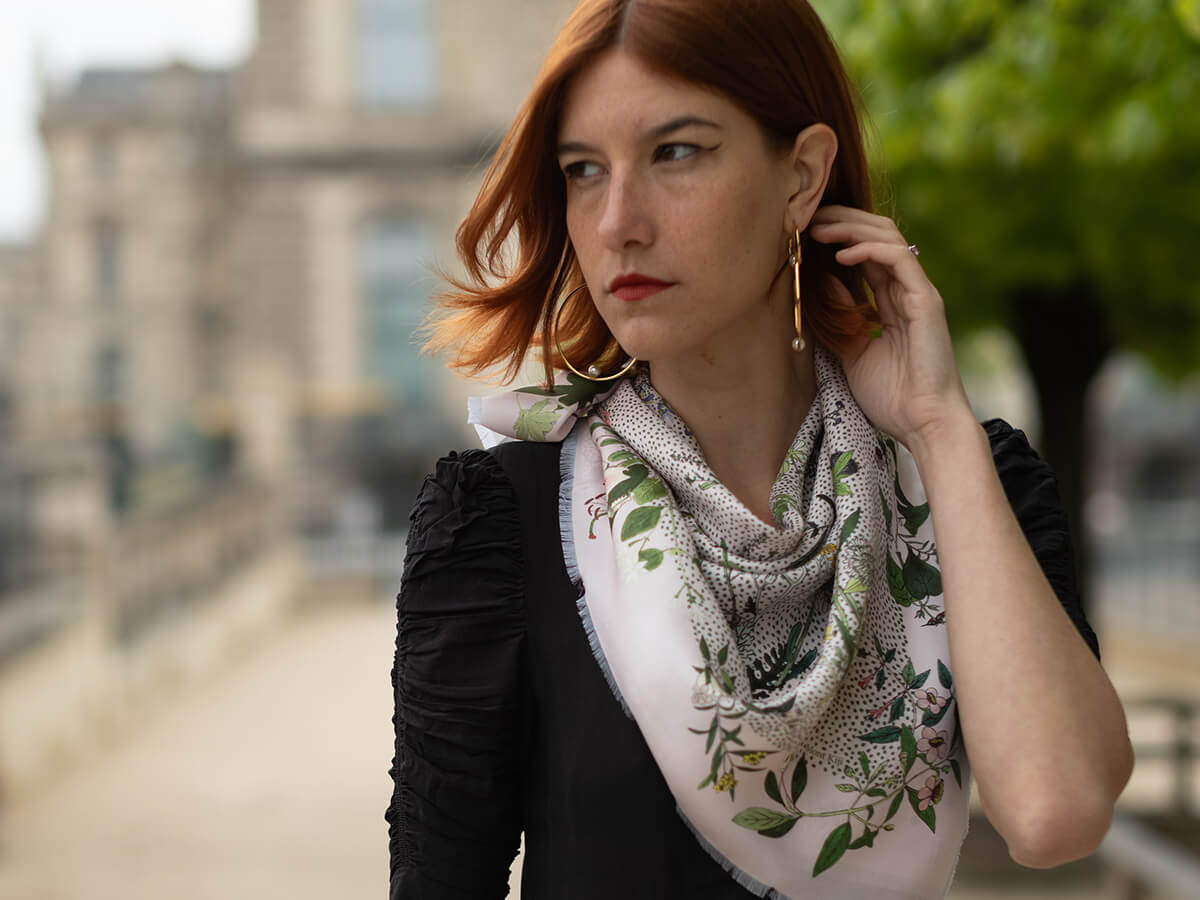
pixel 1051 145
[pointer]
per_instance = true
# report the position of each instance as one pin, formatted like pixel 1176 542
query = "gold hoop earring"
pixel 794 257
pixel 593 371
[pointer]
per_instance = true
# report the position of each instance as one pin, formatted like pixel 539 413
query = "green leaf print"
pixel 944 676
pixel 865 764
pixel 926 815
pixel 780 830
pixel 866 839
pixel 534 423
pixel 914 517
pixel 908 748
pixel 635 475
pixel 760 819
pixel 887 510
pixel 886 735
pixel 931 718
pixel 539 391
pixel 842 466
pixel 649 490
pixel 895 577
pixel 581 390
pixel 957 771
pixel 799 778
pixel 835 846
pixel 641 520
pixel 650 558
pixel 850 525
pixel 780 507
pixel 908 673
pixel 920 578
pixel 895 807
pixel 771 786
pixel 839 464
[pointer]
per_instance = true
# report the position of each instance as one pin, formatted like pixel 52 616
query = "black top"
pixel 504 722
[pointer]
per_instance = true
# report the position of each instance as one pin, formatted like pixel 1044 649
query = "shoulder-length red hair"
pixel 773 58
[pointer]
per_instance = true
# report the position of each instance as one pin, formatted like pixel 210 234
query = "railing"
pixel 171 561
pixel 149 569
pixel 32 614
pixel 1146 568
pixel 366 555
pixel 1143 860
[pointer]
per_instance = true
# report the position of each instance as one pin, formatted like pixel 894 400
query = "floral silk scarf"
pixel 792 679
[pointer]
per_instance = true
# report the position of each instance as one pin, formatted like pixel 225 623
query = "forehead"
pixel 617 93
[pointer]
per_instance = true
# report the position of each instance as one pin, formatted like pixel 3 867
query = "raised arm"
pixel 1043 727
pixel 453 821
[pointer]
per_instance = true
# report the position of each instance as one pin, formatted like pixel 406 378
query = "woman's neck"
pixel 744 409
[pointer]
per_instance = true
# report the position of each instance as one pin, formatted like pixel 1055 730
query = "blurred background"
pixel 217 228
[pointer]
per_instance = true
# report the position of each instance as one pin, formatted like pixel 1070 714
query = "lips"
pixel 635 286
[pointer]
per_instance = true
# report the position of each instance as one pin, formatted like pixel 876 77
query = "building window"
pixel 109 382
pixel 107 252
pixel 395 52
pixel 396 286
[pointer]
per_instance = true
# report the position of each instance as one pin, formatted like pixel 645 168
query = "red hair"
pixel 773 58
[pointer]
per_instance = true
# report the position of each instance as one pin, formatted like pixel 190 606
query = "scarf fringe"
pixel 566 529
pixel 749 882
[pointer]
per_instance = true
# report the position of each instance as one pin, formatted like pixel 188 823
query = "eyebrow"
pixel 658 131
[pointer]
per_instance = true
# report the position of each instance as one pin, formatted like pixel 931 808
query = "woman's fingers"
pixel 885 263
pixel 845 232
pixel 835 213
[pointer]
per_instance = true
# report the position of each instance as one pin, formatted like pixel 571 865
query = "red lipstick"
pixel 636 286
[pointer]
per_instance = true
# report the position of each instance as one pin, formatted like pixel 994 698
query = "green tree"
pixel 1045 154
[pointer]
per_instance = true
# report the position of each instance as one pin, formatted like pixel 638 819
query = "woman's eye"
pixel 674 152
pixel 578 170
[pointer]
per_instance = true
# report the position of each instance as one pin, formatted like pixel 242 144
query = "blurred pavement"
pixel 271 781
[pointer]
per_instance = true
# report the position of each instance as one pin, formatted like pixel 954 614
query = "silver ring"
pixel 912 248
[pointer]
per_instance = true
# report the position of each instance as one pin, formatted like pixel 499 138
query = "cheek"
pixel 736 233
pixel 581 232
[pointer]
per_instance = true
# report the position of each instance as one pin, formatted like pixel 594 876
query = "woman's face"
pixel 678 210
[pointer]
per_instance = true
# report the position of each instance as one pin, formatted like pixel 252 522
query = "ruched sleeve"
pixel 1032 492
pixel 454 819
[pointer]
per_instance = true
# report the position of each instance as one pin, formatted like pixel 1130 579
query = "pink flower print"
pixel 930 699
pixel 934 744
pixel 931 793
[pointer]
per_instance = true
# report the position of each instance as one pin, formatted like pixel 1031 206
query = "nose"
pixel 625 221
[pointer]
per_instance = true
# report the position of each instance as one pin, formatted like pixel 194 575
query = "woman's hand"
pixel 905 380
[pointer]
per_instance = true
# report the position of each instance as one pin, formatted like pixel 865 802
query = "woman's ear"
pixel 811 157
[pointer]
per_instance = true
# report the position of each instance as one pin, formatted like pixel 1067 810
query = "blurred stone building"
pixel 209 346
pixel 19 291
pixel 233 263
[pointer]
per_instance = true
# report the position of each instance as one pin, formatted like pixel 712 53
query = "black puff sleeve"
pixel 453 822
pixel 1032 492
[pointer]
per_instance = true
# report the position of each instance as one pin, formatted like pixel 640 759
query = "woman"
pixel 693 632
